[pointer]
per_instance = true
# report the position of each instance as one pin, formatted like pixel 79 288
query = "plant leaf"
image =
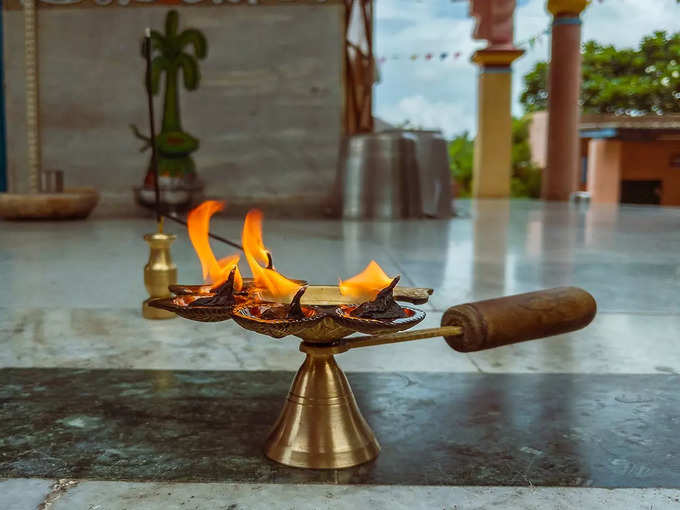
pixel 190 72
pixel 194 37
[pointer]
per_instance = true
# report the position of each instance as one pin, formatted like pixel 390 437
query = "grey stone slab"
pixel 100 263
pixel 435 429
pixel 121 338
pixel 99 338
pixel 95 495
pixel 23 493
pixel 624 256
pixel 612 343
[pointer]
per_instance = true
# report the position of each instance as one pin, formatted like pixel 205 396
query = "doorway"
pixel 641 192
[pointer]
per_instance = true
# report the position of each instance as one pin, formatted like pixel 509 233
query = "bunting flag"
pixel 538 38
pixel 429 56
pixel 454 55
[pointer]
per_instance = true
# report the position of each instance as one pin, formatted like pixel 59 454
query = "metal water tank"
pixel 378 177
pixel 435 173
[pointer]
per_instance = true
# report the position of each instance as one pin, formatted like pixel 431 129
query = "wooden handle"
pixel 508 320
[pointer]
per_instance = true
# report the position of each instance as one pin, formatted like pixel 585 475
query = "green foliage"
pixel 534 97
pixel 626 81
pixel 526 177
pixel 461 155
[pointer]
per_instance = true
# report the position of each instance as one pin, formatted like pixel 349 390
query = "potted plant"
pixel 174 54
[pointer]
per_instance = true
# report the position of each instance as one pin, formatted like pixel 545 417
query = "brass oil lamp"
pixel 320 425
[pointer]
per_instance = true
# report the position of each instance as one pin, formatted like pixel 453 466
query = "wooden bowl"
pixel 72 204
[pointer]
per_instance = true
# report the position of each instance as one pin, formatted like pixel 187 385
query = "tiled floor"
pixel 72 293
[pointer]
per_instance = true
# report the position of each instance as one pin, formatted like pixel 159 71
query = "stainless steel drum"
pixel 435 173
pixel 378 177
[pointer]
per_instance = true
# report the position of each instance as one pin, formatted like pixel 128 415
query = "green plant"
pixel 461 155
pixel 170 59
pixel 526 177
pixel 620 81
pixel 525 181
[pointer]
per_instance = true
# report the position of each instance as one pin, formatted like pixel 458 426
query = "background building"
pixel 625 159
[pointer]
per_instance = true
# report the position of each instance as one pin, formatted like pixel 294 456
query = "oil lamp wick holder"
pixel 320 425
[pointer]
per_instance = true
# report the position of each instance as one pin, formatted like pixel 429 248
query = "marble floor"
pixel 72 295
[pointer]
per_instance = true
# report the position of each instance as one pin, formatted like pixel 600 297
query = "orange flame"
pixel 366 285
pixel 269 280
pixel 198 224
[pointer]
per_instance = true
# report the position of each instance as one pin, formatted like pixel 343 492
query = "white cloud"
pixel 443 93
pixel 450 117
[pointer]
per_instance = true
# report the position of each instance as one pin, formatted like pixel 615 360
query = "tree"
pixel 526 176
pixel 525 181
pixel 626 81
pixel 461 154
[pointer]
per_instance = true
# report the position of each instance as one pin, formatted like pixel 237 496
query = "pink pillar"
pixel 560 177
pixel 604 170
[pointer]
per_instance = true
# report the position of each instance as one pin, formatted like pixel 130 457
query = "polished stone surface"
pixel 626 256
pixel 121 338
pixel 435 429
pixel 163 496
pixel 72 291
pixel 25 493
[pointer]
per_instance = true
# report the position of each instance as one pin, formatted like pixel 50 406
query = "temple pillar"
pixel 493 145
pixel 561 175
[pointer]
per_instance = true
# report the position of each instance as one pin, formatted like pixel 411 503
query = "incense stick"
pixel 152 127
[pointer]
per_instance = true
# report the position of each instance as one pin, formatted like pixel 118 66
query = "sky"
pixel 442 93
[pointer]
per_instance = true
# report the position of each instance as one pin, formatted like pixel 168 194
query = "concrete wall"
pixel 651 161
pixel 268 111
pixel 611 161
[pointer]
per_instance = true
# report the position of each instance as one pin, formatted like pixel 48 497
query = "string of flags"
pixel 538 38
pixel 454 55
pixel 444 55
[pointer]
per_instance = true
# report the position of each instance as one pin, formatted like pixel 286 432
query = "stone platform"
pixel 553 430
pixel 103 410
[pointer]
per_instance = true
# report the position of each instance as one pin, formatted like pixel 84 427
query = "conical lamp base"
pixel 320 426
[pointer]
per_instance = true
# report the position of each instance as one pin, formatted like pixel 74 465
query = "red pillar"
pixel 561 174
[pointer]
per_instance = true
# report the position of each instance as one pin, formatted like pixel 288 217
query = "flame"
pixel 366 285
pixel 198 224
pixel 275 284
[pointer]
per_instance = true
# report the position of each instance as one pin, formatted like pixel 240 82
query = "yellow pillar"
pixel 493 144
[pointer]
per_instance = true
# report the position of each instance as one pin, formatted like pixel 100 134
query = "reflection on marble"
pixel 96 338
pixel 120 338
pixel 90 495
pixel 611 344
pixel 626 256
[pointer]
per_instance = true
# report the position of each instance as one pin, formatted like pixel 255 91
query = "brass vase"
pixel 159 273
